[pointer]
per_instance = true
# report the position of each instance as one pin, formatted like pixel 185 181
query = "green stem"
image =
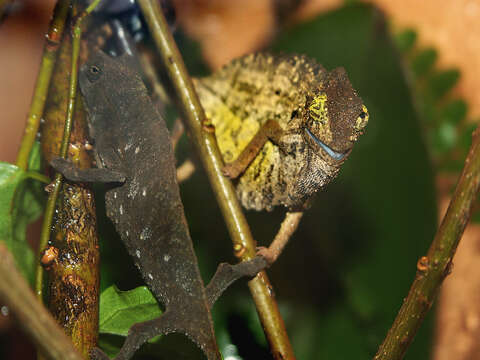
pixel 205 143
pixel 436 265
pixel 56 185
pixel 38 176
pixel 45 232
pixel 35 113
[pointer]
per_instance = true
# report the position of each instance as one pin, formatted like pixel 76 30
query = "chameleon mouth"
pixel 332 153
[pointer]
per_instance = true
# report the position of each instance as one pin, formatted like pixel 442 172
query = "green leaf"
pixel 119 310
pixel 455 111
pixel 442 82
pixel 21 202
pixel 444 137
pixel 35 158
pixel 406 39
pixel 424 61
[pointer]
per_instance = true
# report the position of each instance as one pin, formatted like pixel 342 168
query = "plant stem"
pixel 50 49
pixel 35 320
pixel 45 232
pixel 205 143
pixel 38 176
pixel 287 229
pixel 436 265
pixel 55 186
pixel 73 286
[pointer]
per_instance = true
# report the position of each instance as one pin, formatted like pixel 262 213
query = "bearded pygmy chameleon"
pixel 284 126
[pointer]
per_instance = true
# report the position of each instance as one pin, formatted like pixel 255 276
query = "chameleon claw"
pixel 231 171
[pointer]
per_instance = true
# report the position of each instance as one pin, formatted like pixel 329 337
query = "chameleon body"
pixel 133 150
pixel 127 131
pixel 319 113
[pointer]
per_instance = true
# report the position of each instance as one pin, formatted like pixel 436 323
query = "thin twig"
pixel 176 132
pixel 205 143
pixel 185 170
pixel 35 320
pixel 287 229
pixel 38 176
pixel 56 185
pixel 50 49
pixel 436 265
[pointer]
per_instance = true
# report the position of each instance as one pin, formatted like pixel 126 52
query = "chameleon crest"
pixel 317 116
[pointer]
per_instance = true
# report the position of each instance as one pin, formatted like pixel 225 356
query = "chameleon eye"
pixel 362 119
pixel 94 72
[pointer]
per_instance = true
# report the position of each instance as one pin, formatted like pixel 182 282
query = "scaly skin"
pixel 307 102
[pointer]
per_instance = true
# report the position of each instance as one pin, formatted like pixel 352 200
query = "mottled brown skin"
pixel 285 164
pixel 133 149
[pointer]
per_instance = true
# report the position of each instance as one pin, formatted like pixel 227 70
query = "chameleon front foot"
pixel 233 170
pixel 272 131
pixel 287 229
pixel 72 173
pixel 270 255
pixel 227 274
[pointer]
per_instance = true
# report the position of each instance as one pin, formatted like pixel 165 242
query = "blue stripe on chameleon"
pixel 335 155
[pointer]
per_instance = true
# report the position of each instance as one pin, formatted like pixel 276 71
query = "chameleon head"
pixel 335 118
pixel 96 77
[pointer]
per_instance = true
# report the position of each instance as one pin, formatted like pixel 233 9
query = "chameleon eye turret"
pixel 362 121
pixel 92 71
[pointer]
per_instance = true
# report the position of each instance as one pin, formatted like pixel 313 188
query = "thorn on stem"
pixel 423 264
